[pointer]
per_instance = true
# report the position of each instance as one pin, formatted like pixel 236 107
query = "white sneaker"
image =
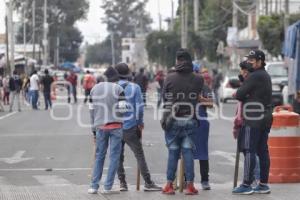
pixel 112 191
pixel 92 191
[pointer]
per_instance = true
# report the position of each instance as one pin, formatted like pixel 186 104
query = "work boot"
pixel 190 189
pixel 168 189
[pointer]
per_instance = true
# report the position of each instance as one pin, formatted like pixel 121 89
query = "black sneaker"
pixel 151 187
pixel 123 187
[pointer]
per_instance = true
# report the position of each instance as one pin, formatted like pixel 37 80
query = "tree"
pixel 124 19
pixel 271 31
pixel 99 53
pixel 62 16
pixel 162 46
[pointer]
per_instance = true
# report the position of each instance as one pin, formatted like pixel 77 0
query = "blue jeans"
pixel 178 140
pixel 34 98
pixel 103 137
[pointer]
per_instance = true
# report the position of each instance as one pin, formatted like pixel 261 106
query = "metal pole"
pixel 33 29
pixel 182 23
pixel 7 45
pixel 196 16
pixel 159 15
pixel 45 40
pixel 267 7
pixel 186 24
pixel 57 50
pixel 24 37
pixel 286 15
pixel 113 49
pixel 172 15
pixel 234 15
pixel 12 37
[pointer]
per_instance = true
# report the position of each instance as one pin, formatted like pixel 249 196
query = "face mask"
pixel 250 67
pixel 241 78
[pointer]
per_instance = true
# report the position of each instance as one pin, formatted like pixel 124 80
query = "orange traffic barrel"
pixel 284 146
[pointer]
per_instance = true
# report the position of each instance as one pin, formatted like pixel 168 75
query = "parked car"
pixel 229 85
pixel 279 77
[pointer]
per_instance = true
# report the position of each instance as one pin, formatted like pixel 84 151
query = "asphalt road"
pixel 54 148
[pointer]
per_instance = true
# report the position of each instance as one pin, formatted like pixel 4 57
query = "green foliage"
pixel 125 18
pixel 271 31
pixel 62 16
pixel 99 53
pixel 162 47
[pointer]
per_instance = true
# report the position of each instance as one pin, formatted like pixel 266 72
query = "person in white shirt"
pixel 34 89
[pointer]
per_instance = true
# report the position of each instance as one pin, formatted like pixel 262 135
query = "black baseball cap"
pixel 257 54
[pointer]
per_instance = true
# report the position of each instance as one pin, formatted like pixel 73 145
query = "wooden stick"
pixel 181 175
pixel 236 169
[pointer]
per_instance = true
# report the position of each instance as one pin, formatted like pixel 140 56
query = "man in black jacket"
pixel 255 94
pixel 181 92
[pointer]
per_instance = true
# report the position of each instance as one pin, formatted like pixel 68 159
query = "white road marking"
pixel 52 180
pixel 7 115
pixel 16 158
pixel 53 169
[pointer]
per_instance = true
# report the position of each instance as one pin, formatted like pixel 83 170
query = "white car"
pixel 227 90
pixel 279 77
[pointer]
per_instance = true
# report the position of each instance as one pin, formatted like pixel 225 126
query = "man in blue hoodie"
pixel 132 128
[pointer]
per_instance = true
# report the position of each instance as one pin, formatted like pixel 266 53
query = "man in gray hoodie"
pixel 106 118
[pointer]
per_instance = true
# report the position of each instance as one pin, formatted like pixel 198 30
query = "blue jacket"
pixel 133 95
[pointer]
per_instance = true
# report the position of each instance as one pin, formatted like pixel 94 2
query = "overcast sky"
pixel 92 28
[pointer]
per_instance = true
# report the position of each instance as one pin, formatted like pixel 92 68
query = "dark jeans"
pixel 204 170
pixel 48 102
pixel 87 95
pixel 252 142
pixel 72 90
pixel 132 138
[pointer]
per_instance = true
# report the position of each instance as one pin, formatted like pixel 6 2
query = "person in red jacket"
pixel 88 83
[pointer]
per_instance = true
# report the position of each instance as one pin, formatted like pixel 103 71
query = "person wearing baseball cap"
pixel 255 94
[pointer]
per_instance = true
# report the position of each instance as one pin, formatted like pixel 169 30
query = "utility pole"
pixel 196 16
pixel 234 25
pixel 7 44
pixel 45 35
pixel 276 6
pixel 183 25
pixel 172 15
pixel 159 15
pixel 33 29
pixel 113 49
pixel 267 6
pixel 56 63
pixel 234 15
pixel 286 14
pixel 24 36
pixel 12 36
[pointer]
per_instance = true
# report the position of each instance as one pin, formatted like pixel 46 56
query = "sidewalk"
pixel 79 192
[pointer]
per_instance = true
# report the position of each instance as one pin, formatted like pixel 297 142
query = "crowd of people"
pixel 117 102
pixel 117 113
